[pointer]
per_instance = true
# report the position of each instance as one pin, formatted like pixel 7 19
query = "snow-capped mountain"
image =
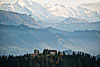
pixel 29 7
pixel 78 12
pixel 21 38
pixel 51 13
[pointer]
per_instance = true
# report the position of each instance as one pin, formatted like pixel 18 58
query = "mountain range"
pixel 51 13
pixel 68 24
pixel 22 38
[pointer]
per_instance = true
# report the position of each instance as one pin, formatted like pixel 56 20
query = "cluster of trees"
pixel 49 60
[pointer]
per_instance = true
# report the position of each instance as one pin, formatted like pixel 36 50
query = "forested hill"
pixel 50 60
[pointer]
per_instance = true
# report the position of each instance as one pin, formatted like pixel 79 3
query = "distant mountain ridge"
pixel 12 18
pixel 21 38
pixel 69 24
pixel 74 20
pixel 72 24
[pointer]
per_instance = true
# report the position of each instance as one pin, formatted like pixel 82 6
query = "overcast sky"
pixel 64 2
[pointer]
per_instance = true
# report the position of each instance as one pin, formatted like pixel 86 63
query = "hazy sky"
pixel 64 2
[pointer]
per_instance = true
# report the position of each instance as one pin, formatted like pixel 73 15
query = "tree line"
pixel 49 60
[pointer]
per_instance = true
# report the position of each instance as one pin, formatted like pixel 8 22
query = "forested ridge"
pixel 50 60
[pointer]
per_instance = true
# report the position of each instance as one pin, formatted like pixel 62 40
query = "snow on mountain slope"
pixel 60 10
pixel 92 6
pixel 12 18
pixel 78 12
pixel 7 7
pixel 91 16
pixel 22 37
pixel 51 13
pixel 33 8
